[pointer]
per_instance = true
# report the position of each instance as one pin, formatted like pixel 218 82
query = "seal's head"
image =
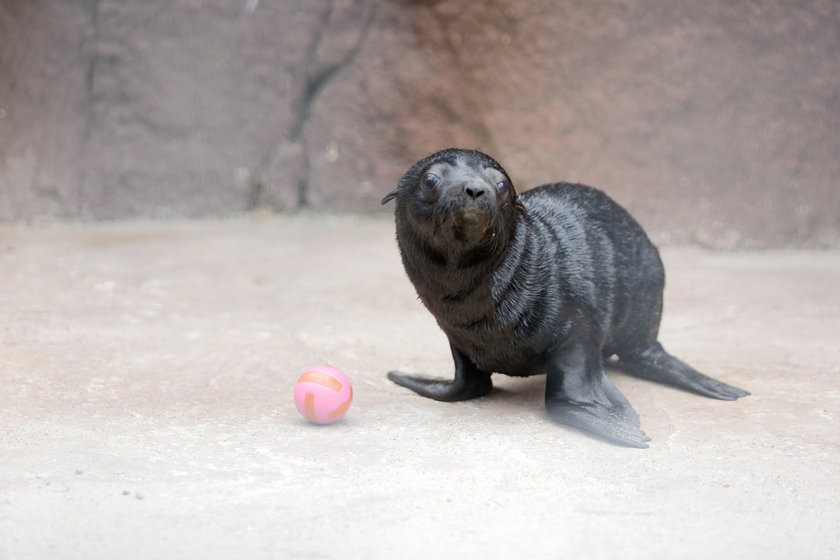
pixel 456 201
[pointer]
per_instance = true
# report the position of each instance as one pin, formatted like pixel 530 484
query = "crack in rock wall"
pixel 715 123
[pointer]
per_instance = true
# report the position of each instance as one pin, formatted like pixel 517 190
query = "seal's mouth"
pixel 469 224
pixel 465 214
pixel 473 213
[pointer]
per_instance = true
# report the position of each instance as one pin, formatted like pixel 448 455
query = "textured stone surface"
pixel 715 123
pixel 146 409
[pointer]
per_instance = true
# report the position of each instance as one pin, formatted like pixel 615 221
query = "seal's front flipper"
pixel 614 424
pixel 579 394
pixel 657 365
pixel 440 390
pixel 469 383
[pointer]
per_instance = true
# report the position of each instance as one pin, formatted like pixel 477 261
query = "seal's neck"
pixel 453 278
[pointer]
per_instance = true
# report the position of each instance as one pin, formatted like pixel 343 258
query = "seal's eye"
pixel 430 180
pixel 503 186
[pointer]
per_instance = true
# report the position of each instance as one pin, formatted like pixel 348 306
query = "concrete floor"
pixel 146 375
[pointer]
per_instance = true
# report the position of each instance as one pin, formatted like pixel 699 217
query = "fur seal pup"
pixel 552 281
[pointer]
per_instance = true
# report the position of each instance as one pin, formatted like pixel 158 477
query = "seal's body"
pixel 553 281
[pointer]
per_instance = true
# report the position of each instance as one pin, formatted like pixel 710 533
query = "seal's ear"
pixel 391 196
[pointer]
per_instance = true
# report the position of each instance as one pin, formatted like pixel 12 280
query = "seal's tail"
pixel 657 365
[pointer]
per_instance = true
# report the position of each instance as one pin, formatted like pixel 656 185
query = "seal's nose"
pixel 474 190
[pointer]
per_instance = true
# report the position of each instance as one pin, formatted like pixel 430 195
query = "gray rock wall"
pixel 714 122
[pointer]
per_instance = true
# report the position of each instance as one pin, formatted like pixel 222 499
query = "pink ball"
pixel 323 394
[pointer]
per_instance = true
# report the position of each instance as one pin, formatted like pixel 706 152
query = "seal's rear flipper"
pixel 657 365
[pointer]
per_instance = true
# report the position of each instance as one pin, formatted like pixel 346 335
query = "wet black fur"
pixel 553 281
